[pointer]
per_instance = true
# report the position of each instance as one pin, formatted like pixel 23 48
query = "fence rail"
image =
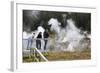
pixel 42 56
pixel 35 50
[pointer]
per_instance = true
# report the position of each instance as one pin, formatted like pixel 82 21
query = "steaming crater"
pixel 68 38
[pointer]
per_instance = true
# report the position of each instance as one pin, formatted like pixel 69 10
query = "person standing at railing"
pixel 38 41
pixel 30 41
pixel 46 35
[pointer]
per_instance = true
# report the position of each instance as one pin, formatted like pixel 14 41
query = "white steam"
pixel 69 38
pixel 65 39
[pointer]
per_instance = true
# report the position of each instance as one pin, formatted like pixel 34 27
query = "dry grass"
pixel 69 55
pixel 60 56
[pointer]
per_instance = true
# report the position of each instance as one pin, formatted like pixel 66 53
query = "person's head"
pixel 33 33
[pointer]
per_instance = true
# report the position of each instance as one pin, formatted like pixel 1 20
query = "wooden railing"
pixel 38 52
pixel 34 51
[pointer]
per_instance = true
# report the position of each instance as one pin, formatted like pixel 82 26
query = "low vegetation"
pixel 59 56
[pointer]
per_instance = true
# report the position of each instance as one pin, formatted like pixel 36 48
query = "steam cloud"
pixel 68 38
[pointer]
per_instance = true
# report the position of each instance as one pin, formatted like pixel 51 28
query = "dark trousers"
pixel 45 44
pixel 38 44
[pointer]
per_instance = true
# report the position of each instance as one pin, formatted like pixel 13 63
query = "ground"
pixel 60 56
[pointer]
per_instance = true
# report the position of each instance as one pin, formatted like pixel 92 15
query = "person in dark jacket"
pixel 38 41
pixel 46 35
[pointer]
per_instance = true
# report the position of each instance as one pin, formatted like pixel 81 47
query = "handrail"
pixel 38 39
pixel 38 51
pixel 41 54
